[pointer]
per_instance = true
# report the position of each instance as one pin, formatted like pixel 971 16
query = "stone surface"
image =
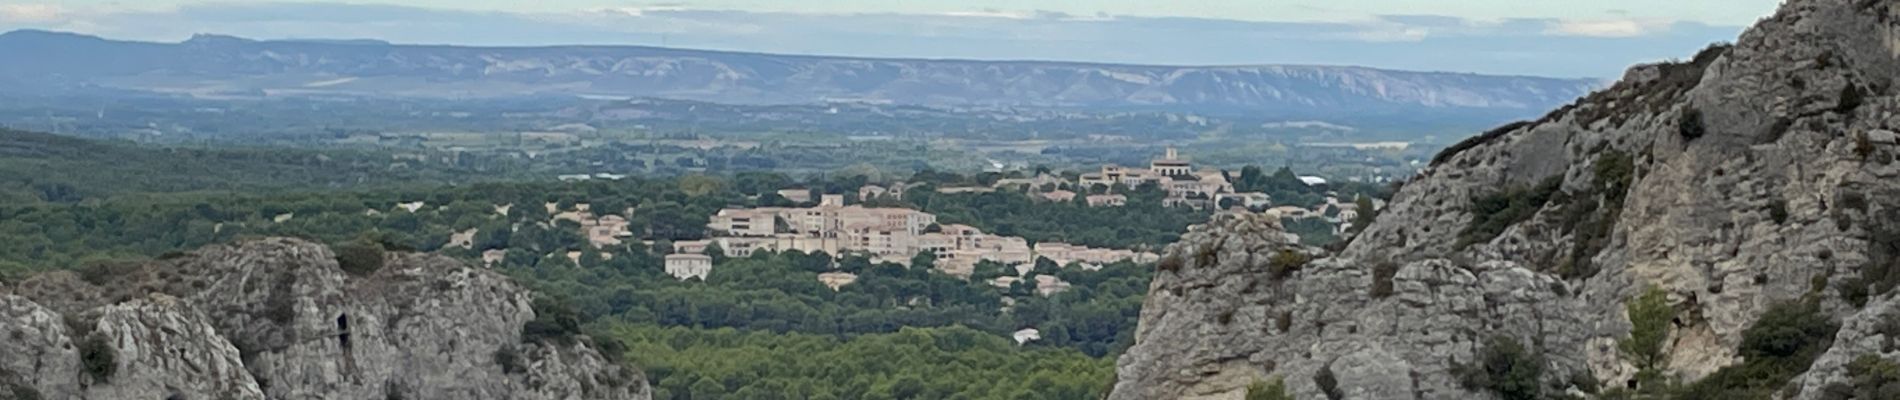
pixel 1761 172
pixel 277 318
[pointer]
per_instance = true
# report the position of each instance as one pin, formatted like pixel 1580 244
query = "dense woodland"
pixel 758 327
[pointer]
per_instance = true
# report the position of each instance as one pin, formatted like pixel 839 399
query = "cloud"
pixel 31 13
pixel 1609 28
pixel 1416 42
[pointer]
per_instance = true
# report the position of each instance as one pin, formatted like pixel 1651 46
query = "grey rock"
pixel 1759 173
pixel 40 353
pixel 278 318
pixel 165 349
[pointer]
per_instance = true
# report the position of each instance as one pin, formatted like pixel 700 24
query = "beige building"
pixel 886 235
pixel 1107 200
pixel 894 192
pixel 746 222
pixel 1249 200
pixel 1171 165
pixel 1064 254
pixel 837 280
pixel 686 266
pixel 800 196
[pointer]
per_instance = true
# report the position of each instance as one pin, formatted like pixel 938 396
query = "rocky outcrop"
pixel 1750 175
pixel 278 318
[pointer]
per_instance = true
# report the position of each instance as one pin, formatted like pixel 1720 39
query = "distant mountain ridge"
pixel 226 66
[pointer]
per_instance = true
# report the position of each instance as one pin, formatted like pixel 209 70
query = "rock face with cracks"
pixel 1748 175
pixel 277 318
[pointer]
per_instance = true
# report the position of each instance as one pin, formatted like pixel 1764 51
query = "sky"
pixel 1564 38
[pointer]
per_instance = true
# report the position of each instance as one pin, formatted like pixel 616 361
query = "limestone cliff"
pixel 278 318
pixel 1749 175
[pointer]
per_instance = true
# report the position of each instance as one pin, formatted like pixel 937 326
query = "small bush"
pixel 104 272
pixel 509 360
pixel 1689 125
pixel 1207 255
pixel 1506 368
pixel 553 321
pixel 359 257
pixel 1170 263
pixel 1382 279
pixel 1869 377
pixel 1286 262
pixel 1854 201
pixel 1268 390
pixel 1778 211
pixel 1851 99
pixel 98 357
pixel 1328 384
pixel 1863 146
pixel 1492 214
pixel 1779 346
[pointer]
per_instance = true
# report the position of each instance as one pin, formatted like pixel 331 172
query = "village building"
pixel 686 266
pixel 893 235
pixel 800 196
pixel 464 239
pixel 1106 200
pixel 837 280
pixel 1026 335
pixel 872 192
pixel 1293 212
pixel 1171 165
pixel 1062 196
pixel 691 246
pixel 1038 182
pixel 965 189
pixel 1049 285
pixel 1251 200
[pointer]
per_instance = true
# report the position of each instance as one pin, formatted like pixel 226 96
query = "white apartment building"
pixel 686 266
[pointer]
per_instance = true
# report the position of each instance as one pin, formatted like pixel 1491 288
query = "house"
pixel 1107 200
pixel 1251 200
pixel 1062 196
pixel 1293 212
pixel 870 192
pixel 606 230
pixel 685 266
pixel 464 239
pixel 837 280
pixel 1196 202
pixel 966 189
pixel 1049 285
pixel 691 246
pixel 1171 165
pixel 759 222
pixel 831 200
pixel 1026 335
pixel 1035 183
pixel 800 196
pixel 1313 180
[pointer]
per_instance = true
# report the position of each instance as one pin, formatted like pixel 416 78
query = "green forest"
pixel 759 327
pixel 773 298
